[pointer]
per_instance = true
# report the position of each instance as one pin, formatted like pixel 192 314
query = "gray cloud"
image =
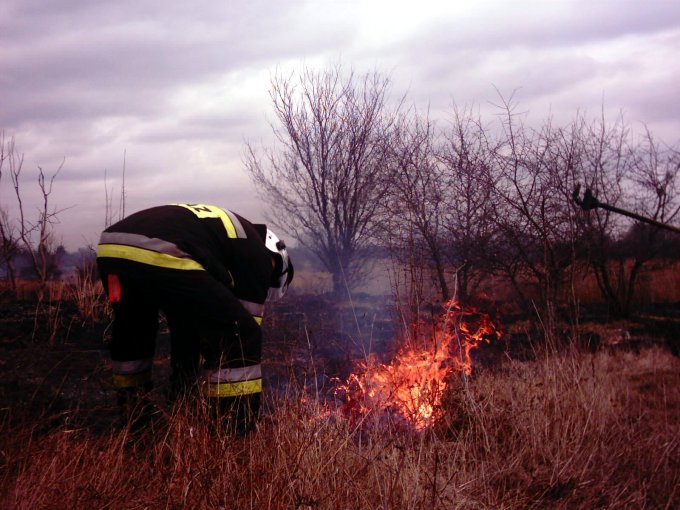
pixel 178 86
pixel 120 58
pixel 543 25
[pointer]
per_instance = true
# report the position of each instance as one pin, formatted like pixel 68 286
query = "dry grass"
pixel 571 430
pixel 659 284
pixel 87 292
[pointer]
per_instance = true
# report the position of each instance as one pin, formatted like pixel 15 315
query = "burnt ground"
pixel 54 368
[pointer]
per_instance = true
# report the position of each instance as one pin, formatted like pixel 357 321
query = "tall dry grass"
pixel 57 308
pixel 87 292
pixel 570 430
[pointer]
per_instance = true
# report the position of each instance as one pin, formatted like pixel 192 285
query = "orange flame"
pixel 410 388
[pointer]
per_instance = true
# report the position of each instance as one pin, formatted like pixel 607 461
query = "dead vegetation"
pixel 567 430
pixel 546 421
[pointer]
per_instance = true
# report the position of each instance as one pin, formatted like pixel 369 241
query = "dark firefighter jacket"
pixel 196 237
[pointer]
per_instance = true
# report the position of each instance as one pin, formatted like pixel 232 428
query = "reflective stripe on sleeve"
pixel 233 389
pixel 149 257
pixel 254 309
pixel 142 241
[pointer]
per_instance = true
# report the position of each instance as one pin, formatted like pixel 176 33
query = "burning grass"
pixel 410 388
pixel 569 430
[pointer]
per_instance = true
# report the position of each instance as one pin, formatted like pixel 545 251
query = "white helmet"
pixel 283 269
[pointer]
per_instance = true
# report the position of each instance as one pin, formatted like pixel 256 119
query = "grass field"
pixel 560 428
pixel 567 430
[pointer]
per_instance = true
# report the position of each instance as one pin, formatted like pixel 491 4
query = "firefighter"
pixel 210 272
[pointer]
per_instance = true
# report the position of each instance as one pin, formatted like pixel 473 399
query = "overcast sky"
pixel 173 89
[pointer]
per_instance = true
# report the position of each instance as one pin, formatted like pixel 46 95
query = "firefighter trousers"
pixel 214 339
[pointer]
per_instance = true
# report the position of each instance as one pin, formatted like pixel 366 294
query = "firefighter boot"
pixel 237 414
pixel 137 409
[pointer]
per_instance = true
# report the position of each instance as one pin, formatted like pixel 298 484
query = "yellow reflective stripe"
pixel 255 309
pixel 233 389
pixel 144 242
pixel 249 373
pixel 240 232
pixel 131 380
pixel 210 211
pixel 149 257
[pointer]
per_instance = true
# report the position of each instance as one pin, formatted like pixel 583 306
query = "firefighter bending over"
pixel 210 271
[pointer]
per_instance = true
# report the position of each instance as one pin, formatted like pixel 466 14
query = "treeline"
pixel 61 264
pixel 466 195
pixel 499 200
pixel 464 198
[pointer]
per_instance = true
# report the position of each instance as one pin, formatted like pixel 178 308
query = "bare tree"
pixel 324 183
pixel 467 155
pixel 639 175
pixel 110 215
pixel 439 211
pixel 9 243
pixel 533 208
pixel 35 236
pixel 9 247
pixel 415 209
